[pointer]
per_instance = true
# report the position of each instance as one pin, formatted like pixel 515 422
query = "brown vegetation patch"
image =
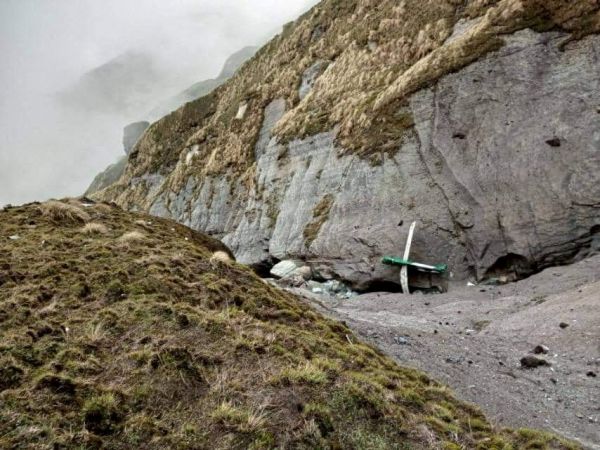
pixel 161 345
pixel 320 216
pixel 94 228
pixel 63 213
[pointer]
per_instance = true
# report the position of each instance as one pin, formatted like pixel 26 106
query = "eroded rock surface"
pixel 501 171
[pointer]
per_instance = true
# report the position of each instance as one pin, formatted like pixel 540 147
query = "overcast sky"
pixel 47 45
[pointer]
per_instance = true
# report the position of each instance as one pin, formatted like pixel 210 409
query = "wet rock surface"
pixel 507 323
pixel 300 279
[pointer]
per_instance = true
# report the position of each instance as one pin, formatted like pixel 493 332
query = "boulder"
pixel 540 349
pixel 304 272
pixel 533 362
pixel 284 269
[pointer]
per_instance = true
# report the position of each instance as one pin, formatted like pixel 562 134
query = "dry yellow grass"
pixel 381 51
pixel 103 208
pixel 94 228
pixel 131 237
pixel 63 213
pixel 221 257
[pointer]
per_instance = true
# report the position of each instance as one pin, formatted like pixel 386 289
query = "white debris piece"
pixel 195 151
pixel 241 111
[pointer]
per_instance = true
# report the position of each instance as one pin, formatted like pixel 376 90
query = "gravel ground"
pixel 474 337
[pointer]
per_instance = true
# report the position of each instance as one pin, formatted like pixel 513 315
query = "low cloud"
pixel 48 149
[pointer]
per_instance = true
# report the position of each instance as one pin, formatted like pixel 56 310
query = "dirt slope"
pixel 474 337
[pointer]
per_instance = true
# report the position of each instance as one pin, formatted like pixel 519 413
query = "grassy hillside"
pixel 119 331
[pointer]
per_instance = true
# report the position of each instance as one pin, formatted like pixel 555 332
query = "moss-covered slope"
pixel 119 330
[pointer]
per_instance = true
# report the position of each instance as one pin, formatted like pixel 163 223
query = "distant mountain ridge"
pixel 202 88
pixel 134 131
pixel 124 85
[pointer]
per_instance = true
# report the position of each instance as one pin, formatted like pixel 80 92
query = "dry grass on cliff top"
pixel 136 332
pixel 380 52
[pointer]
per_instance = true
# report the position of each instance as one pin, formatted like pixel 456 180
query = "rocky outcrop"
pixel 498 160
pixel 132 134
pixel 108 176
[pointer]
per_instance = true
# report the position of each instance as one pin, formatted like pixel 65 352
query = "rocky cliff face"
pixel 479 120
pixel 132 134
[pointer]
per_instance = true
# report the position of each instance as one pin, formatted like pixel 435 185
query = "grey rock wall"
pixel 309 77
pixel 501 171
pixel 513 142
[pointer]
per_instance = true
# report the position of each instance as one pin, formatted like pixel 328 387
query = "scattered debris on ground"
pixel 532 362
pixel 474 338
pixel 294 274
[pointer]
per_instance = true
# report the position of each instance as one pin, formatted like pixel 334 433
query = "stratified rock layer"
pixel 499 164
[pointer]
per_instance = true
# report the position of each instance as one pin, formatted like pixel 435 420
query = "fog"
pixel 51 149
